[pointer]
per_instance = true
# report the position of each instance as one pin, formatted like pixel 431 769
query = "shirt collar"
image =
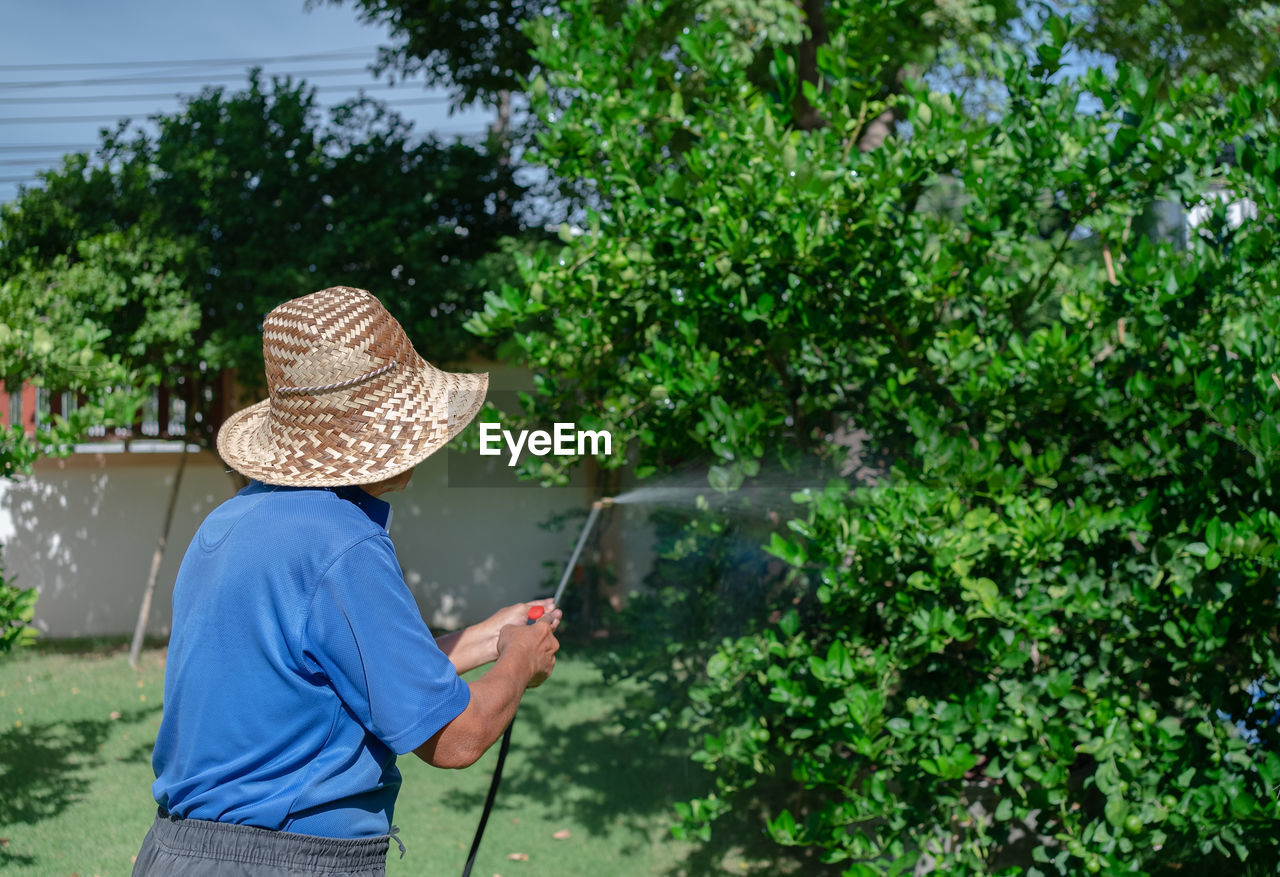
pixel 377 510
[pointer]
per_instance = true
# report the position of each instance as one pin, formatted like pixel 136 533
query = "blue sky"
pixel 60 33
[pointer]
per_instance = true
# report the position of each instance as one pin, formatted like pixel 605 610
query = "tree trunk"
pixel 877 131
pixel 145 611
pixel 500 135
pixel 806 116
pixel 874 133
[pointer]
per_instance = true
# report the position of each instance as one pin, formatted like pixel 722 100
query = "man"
pixel 299 666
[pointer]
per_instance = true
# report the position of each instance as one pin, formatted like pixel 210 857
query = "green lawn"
pixel 77 726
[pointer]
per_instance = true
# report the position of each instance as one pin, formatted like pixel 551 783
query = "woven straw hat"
pixel 351 402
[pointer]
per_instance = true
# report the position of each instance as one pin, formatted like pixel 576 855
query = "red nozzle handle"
pixel 535 612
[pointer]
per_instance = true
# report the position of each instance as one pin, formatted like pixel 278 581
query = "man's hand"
pixel 526 657
pixel 517 614
pixel 536 642
pixel 478 645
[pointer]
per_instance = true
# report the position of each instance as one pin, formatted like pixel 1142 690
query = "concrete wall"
pixel 83 530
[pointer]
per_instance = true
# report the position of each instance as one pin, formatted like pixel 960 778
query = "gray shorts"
pixel 176 847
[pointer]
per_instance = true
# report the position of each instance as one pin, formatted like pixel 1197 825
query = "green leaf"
pixel 839 664
pixel 787 550
pixel 41 342
pixel 1213 534
pixel 1116 810
pixel 789 158
pixel 1175 635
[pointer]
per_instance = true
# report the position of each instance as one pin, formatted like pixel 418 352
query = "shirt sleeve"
pixel 366 635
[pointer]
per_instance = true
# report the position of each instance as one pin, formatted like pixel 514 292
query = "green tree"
pixel 1229 38
pixel 478 48
pixel 48 344
pixel 243 200
pixel 1049 613
pixel 154 260
pixel 483 52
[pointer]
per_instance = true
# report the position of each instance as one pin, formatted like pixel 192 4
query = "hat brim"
pixel 419 414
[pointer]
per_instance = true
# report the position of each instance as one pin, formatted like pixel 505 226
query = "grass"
pixel 76 730
pixel 77 726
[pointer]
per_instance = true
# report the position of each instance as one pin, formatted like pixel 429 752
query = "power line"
pixel 199 77
pixel 57 120
pixel 63 99
pixel 191 62
pixel 51 147
pixel 29 161
pixel 112 117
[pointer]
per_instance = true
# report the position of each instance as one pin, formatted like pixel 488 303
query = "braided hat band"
pixel 351 401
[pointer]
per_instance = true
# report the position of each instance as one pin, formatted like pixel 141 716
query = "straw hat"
pixel 351 402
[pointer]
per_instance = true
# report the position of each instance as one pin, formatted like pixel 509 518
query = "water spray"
pixel 673 495
pixel 535 613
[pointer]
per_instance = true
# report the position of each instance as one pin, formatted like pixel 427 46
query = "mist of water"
pixel 769 490
pixel 695 496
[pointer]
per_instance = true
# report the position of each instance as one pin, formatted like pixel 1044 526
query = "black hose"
pixel 488 801
pixel 506 735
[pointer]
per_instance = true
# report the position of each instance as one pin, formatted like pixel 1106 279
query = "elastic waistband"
pixel 260 846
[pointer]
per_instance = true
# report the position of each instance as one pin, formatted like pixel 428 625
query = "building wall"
pixel 83 531
pixel 469 536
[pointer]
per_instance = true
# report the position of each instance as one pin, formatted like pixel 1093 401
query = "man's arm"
pixel 526 657
pixel 477 645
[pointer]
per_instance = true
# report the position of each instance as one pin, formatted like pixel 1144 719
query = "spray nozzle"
pixel 602 503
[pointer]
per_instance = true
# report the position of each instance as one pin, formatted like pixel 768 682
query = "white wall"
pixel 82 530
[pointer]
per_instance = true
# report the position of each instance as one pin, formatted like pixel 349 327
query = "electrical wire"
pixel 20 162
pixel 210 72
pixel 76 99
pixel 50 147
pixel 196 77
pixel 111 117
pixel 190 62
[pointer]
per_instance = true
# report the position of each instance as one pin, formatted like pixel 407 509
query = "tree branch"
pixel 804 114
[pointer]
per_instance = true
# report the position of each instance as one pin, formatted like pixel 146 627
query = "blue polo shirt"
pixel 298 668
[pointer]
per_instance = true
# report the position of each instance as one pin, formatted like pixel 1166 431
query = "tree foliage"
pixel 1051 613
pixel 478 48
pixel 53 325
pixel 174 245
pixel 154 260
pixel 1232 39
pixel 481 49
